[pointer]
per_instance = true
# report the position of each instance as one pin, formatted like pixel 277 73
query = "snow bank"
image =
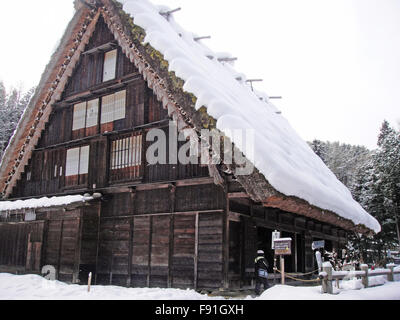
pixel 42 202
pixel 351 290
pixel 286 161
pixel 34 287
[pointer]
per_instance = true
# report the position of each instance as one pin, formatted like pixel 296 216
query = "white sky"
pixel 335 62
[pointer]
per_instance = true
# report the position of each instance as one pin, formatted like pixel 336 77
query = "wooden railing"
pixel 328 275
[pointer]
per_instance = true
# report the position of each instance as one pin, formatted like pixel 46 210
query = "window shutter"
pixel 110 65
pixel 120 105
pixel 72 165
pixel 84 160
pixel 107 109
pixel 79 116
pixel 92 113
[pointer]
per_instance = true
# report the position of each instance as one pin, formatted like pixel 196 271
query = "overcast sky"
pixel 336 63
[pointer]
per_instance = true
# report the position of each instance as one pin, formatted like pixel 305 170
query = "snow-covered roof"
pixel 43 202
pixel 286 161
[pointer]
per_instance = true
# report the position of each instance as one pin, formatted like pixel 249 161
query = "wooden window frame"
pixel 111 110
pixel 79 178
pixel 85 130
pixel 105 77
pixel 126 158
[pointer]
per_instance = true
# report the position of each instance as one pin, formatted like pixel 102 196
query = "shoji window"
pixel 79 116
pixel 92 113
pixel 126 157
pixel 113 107
pixel 110 65
pixel 85 114
pixel 77 161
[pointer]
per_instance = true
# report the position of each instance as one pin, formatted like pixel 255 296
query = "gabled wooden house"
pixel 80 194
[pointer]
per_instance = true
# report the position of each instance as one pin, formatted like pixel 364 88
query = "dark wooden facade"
pixel 155 225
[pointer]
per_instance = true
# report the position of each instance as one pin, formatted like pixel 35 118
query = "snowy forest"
pixel 12 105
pixel 372 176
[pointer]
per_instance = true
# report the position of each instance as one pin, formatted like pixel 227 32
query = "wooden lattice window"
pixel 126 158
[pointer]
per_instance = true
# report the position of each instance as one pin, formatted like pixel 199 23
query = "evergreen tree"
pixel 388 167
pixel 319 148
pixel 377 190
pixel 12 106
pixel 374 181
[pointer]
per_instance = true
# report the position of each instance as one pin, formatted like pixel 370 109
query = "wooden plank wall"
pixel 21 246
pixel 62 249
pixel 210 250
pixel 89 241
pixel 174 250
pixel 89 71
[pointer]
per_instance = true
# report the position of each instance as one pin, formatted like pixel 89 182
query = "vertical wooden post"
pixel 390 275
pixel 78 245
pixel 170 250
pixel 225 238
pixel 98 242
pixel 149 253
pixel 327 283
pixel 196 251
pixel 364 268
pixel 89 281
pixel 295 252
pixel 282 270
pixel 130 252
pixel 172 198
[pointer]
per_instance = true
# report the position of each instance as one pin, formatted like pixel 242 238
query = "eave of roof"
pixel 168 88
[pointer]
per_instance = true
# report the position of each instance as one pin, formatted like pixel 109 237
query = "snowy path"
pixel 33 287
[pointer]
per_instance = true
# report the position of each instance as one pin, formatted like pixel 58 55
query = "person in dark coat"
pixel 261 272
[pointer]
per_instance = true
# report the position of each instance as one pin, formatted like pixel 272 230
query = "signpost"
pixel 275 235
pixel 283 247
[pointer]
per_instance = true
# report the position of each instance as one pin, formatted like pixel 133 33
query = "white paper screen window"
pixel 79 116
pixel 107 109
pixel 110 65
pixel 113 107
pixel 92 113
pixel 119 107
pixel 84 160
pixel 77 161
pixel 72 165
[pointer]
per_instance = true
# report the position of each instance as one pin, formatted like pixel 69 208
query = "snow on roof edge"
pixel 286 161
pixel 43 202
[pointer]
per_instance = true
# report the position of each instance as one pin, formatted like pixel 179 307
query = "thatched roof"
pixel 145 37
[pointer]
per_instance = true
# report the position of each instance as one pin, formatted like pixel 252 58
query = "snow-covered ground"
pixel 33 287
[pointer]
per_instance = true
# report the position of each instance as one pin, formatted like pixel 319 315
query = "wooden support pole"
pixel 201 38
pixel 390 275
pixel 168 13
pixel 89 281
pixel 364 267
pixel 282 270
pixel 327 282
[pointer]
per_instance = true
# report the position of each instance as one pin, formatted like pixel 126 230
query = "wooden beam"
pixel 301 207
pixel 235 195
pixel 104 47
pixel 195 181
